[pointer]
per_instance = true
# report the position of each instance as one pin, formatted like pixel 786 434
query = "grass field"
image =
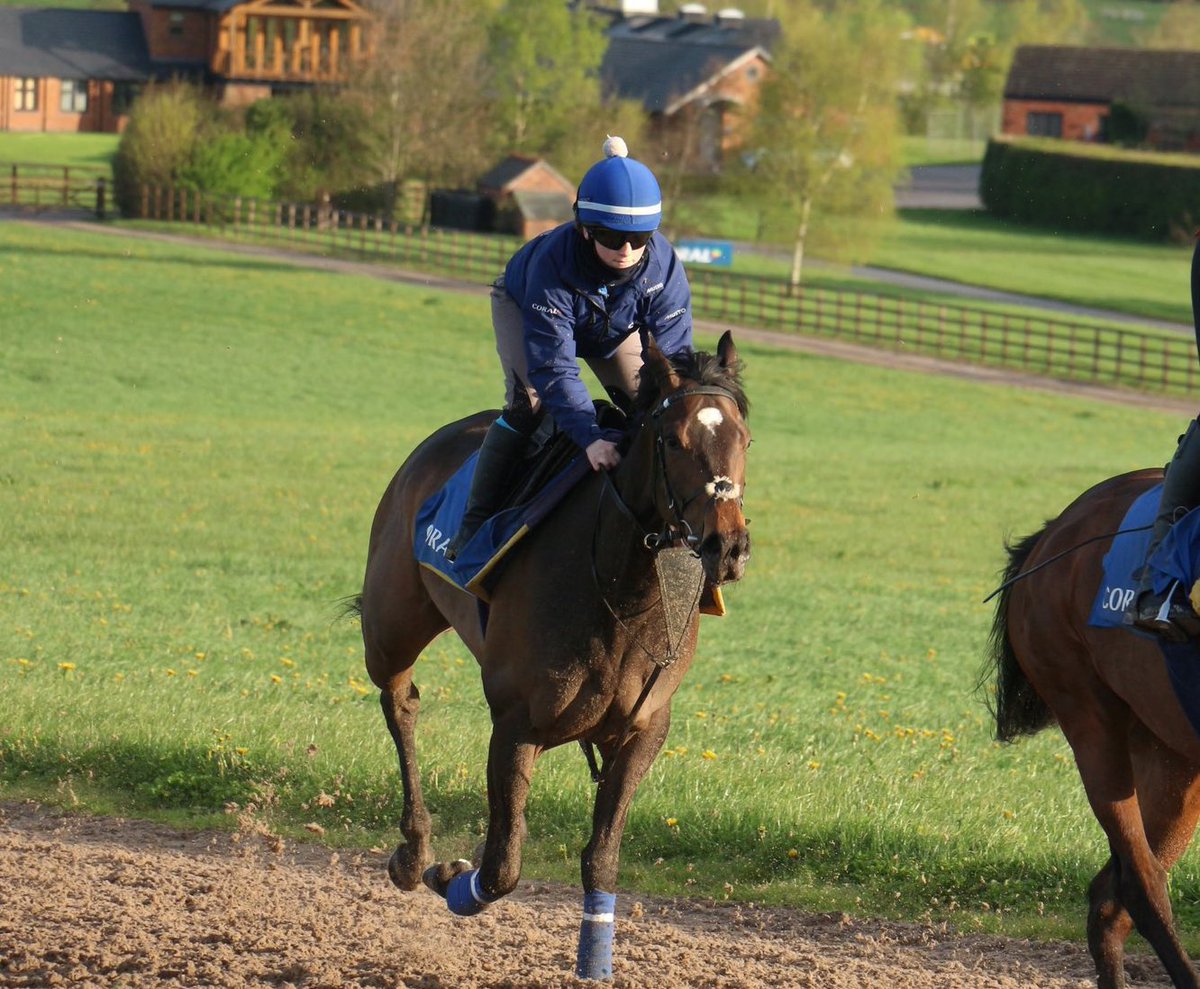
pixel 92 150
pixel 193 444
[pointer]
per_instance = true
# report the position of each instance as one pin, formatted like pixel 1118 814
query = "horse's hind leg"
pixel 1145 838
pixel 1168 794
pixel 401 701
pixel 392 647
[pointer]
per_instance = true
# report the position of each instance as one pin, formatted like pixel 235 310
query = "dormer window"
pixel 175 23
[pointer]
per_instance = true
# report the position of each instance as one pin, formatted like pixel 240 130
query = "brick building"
pixel 69 70
pixel 1071 93
pixel 78 70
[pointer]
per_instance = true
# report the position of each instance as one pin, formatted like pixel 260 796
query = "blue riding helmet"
pixel 619 193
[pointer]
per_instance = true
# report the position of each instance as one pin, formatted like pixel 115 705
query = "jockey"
pixel 1173 618
pixel 582 291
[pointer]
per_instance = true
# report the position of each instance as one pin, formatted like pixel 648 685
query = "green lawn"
pixel 193 444
pixel 92 150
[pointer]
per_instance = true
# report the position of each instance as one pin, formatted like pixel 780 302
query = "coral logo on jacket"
pixel 548 310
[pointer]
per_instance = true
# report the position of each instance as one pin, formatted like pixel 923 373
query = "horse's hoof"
pixel 437 877
pixel 404 868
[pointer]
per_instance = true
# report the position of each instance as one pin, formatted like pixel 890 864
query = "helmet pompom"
pixel 615 147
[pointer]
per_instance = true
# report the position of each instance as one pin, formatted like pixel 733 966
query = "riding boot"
pixel 499 459
pixel 1174 620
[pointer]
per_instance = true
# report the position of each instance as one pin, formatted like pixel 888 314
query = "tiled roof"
pixel 511 169
pixel 72 44
pixel 1141 76
pixel 658 60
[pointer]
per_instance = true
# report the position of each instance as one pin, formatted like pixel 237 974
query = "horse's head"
pixel 695 408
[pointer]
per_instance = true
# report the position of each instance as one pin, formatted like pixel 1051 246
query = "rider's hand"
pixel 602 455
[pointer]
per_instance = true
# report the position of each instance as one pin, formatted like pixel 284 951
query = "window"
pixel 175 23
pixel 1044 124
pixel 27 94
pixel 74 96
pixel 124 93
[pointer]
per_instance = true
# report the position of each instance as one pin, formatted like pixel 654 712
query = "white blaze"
pixel 710 417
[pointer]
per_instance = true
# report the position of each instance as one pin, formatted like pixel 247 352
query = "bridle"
pixel 678 530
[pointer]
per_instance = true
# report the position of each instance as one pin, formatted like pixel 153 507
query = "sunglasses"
pixel 614 240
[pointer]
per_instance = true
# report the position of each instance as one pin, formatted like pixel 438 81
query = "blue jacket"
pixel 570 313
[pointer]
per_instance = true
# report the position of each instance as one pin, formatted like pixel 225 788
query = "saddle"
pixel 551 469
pixel 1175 561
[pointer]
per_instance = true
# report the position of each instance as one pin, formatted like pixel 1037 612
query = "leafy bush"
pixel 234 164
pixel 159 143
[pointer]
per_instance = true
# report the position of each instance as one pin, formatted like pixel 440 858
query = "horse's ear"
pixel 658 366
pixel 726 350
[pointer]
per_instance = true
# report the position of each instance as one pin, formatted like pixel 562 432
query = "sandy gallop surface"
pixel 89 901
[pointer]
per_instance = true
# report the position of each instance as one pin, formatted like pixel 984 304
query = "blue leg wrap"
pixel 463 895
pixel 596 936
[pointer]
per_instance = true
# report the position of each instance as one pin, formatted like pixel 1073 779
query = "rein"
pixel 1058 556
pixel 655 542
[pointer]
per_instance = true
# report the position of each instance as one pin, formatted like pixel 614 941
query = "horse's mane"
pixel 701 368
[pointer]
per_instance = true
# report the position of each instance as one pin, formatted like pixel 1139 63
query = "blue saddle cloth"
pixel 475 568
pixel 1176 559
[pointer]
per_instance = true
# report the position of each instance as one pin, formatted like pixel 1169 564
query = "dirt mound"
pixel 88 901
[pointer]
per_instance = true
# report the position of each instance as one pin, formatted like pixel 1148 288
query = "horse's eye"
pixel 673 443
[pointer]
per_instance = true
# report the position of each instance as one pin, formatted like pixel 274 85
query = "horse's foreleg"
pixel 1168 788
pixel 510 769
pixel 401 701
pixel 623 772
pixel 1135 880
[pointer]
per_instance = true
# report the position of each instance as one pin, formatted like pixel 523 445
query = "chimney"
pixel 730 17
pixel 693 13
pixel 637 8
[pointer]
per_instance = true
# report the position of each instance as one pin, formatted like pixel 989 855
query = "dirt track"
pixel 105 902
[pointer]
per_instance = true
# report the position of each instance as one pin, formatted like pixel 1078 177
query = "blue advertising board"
pixel 718 253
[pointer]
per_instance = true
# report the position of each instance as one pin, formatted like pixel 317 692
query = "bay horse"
pixel 1110 692
pixel 578 644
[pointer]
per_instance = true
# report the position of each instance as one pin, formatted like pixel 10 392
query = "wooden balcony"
pixel 315 43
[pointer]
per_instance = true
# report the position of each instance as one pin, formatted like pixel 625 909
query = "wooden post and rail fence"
pixel 1143 359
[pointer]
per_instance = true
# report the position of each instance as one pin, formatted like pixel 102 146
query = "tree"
pixel 545 71
pixel 422 92
pixel 1178 28
pixel 823 144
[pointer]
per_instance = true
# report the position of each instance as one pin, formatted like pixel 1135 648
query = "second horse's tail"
pixel 1017 707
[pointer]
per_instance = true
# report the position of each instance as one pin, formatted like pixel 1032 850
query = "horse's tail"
pixel 350 606
pixel 1017 708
